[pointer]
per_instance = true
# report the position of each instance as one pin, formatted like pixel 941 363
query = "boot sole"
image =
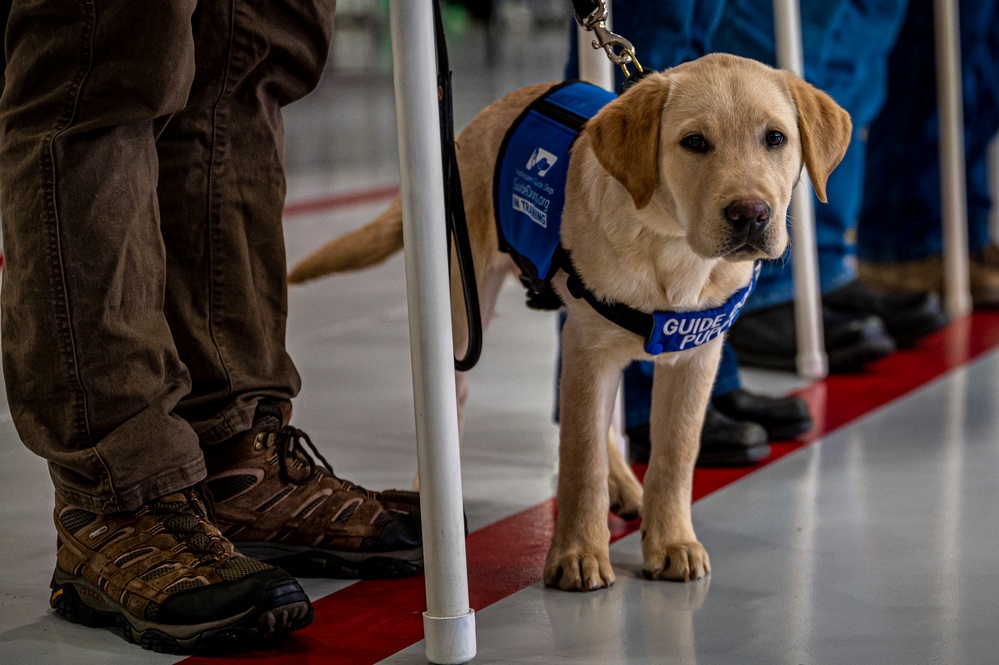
pixel 285 609
pixel 301 561
pixel 734 457
pixel 789 432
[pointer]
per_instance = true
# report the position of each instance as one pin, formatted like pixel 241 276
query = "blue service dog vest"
pixel 529 196
pixel 531 174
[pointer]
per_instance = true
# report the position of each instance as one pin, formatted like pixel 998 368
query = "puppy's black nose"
pixel 748 216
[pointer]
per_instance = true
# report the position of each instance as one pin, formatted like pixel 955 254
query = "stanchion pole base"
pixel 450 640
pixel 812 367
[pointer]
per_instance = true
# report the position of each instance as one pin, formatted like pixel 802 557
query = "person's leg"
pixel 222 193
pixel 637 379
pixel 664 35
pixel 92 372
pixel 834 230
pixel 765 335
pixel 729 441
pixel 728 378
pixel 846 47
pixel 901 231
pixel 747 29
pixel 91 369
pixel 724 441
pixel 4 16
pixel 898 175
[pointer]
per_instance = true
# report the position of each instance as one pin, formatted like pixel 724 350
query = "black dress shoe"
pixel 724 442
pixel 784 418
pixel 728 442
pixel 765 338
pixel 908 317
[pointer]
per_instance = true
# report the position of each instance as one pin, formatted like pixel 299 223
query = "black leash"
pixel 454 204
pixel 585 9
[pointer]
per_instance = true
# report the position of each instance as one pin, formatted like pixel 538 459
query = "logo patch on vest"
pixel 532 196
pixel 541 160
pixel 531 173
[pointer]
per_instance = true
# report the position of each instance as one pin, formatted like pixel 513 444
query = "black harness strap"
pixel 629 318
pixel 632 79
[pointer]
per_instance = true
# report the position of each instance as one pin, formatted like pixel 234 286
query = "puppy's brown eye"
pixel 774 138
pixel 695 142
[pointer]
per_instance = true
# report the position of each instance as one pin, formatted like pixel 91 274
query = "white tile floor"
pixel 876 545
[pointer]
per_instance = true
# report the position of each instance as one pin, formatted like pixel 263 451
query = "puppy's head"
pixel 717 146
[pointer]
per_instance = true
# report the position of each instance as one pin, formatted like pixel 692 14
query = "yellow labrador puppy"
pixel 673 190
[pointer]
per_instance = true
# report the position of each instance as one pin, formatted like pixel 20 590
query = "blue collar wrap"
pixel 678 331
pixel 662 332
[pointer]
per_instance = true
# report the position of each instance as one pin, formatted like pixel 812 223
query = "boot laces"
pixel 189 521
pixel 289 442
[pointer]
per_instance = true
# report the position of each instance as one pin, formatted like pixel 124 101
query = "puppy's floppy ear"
pixel 625 137
pixel 825 130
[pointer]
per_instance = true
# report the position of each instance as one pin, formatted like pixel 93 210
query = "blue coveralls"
pixel 900 217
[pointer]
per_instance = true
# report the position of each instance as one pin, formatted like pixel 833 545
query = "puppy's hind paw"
pixel 625 497
pixel 578 572
pixel 678 562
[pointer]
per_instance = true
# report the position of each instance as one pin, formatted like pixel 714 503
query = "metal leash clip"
pixel 596 23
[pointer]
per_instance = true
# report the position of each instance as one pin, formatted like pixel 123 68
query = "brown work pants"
pixel 141 166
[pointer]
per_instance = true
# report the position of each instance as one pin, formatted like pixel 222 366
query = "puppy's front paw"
pixel 678 562
pixel 578 571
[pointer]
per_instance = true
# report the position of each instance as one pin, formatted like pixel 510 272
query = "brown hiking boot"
pixel 169 581
pixel 278 504
pixel 926 276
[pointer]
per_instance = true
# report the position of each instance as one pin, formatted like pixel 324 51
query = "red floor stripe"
pixel 370 621
pixel 339 201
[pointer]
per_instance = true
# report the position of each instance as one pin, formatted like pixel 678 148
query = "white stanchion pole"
pixel 812 362
pixel 957 288
pixel 594 67
pixel 449 622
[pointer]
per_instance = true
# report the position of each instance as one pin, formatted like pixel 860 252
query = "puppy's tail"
pixel 365 247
